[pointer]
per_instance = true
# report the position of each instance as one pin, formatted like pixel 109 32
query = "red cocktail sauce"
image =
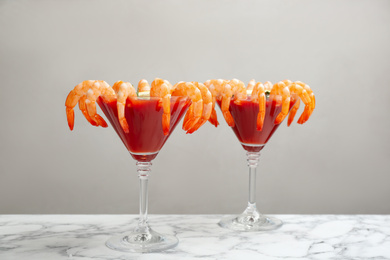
pixel 144 117
pixel 245 113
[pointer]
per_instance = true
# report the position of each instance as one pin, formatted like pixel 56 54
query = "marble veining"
pixel 301 237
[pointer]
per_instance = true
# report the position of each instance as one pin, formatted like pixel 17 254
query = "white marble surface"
pixel 301 237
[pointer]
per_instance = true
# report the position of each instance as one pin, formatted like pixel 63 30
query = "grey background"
pixel 338 162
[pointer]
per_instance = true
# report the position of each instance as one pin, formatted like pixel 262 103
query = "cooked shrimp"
pixel 258 96
pixel 98 88
pixel 281 89
pixel 233 89
pixel 71 101
pixel 207 107
pixel 299 89
pixel 123 90
pixel 143 86
pixel 161 89
pixel 189 90
pixel 215 87
pixel 296 102
pixel 308 107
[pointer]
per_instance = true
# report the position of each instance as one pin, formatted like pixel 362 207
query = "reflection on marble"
pixel 301 237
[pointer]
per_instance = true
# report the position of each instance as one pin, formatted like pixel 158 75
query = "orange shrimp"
pixel 294 100
pixel 215 87
pixel 308 107
pixel 160 88
pixel 98 88
pixel 207 108
pixel 233 89
pixel 123 90
pixel 308 99
pixel 143 86
pixel 71 101
pixel 189 90
pixel 258 96
pixel 281 89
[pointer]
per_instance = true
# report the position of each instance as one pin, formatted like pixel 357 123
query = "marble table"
pixel 301 237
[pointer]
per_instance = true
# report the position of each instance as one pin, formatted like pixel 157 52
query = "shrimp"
pixel 215 87
pixel 160 88
pixel 98 88
pixel 73 97
pixel 308 99
pixel 143 86
pixel 281 89
pixel 158 81
pixel 123 90
pixel 190 90
pixel 308 107
pixel 296 102
pixel 258 96
pixel 233 89
pixel 207 107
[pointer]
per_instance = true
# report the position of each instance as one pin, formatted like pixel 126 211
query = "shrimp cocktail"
pixel 143 120
pixel 254 113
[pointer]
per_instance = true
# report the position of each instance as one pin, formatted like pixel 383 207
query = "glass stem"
pixel 253 160
pixel 143 174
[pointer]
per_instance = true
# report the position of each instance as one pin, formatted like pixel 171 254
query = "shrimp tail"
pixel 305 115
pixel 70 117
pixel 100 121
pixel 229 119
pixel 213 118
pixel 197 126
pixel 293 112
pixel 190 123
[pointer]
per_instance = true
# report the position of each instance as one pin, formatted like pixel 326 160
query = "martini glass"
pixel 253 141
pixel 144 140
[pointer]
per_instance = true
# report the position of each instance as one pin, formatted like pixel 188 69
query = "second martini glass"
pixel 144 140
pixel 253 141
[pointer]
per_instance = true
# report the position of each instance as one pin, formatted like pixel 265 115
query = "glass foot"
pixel 249 223
pixel 142 242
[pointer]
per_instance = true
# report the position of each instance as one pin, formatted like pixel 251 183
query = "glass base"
pixel 245 222
pixel 142 242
